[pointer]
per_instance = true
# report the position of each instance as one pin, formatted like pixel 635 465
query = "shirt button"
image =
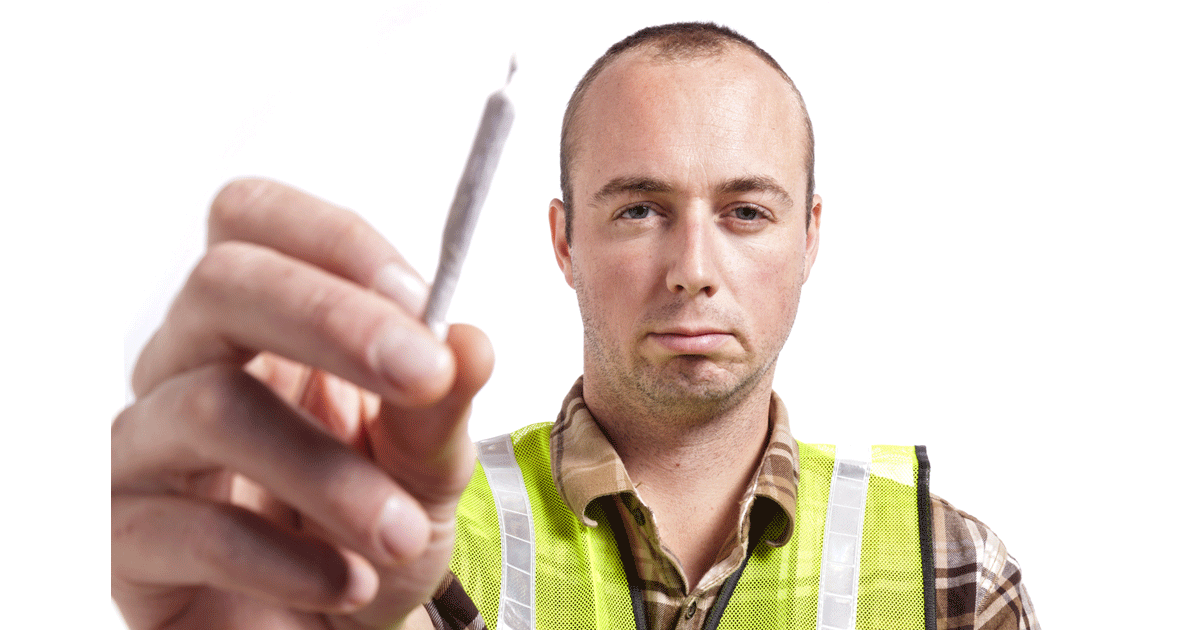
pixel 691 611
pixel 638 517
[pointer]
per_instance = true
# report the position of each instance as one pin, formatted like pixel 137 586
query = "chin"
pixel 697 387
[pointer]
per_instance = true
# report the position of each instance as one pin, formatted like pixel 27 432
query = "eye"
pixel 637 212
pixel 747 213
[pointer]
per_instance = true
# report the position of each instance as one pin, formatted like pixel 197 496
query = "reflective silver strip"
pixel 516 532
pixel 837 603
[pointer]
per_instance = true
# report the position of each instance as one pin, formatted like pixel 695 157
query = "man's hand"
pixel 298 445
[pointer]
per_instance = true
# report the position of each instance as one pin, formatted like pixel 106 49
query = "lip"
pixel 697 342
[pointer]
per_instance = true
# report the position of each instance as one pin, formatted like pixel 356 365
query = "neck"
pixel 691 474
pixel 722 451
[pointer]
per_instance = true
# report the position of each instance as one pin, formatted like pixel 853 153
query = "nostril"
pixel 708 290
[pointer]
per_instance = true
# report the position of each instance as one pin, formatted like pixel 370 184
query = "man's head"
pixel 669 42
pixel 690 236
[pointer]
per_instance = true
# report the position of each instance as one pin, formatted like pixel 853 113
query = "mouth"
pixel 691 341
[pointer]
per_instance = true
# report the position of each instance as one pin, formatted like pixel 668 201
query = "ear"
pixel 558 237
pixel 813 238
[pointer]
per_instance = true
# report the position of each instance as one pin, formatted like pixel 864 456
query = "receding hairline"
pixel 666 52
pixel 671 44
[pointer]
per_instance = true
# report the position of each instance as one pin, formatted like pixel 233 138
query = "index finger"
pixel 315 231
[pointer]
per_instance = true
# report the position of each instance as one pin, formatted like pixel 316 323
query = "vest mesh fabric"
pixel 891 585
pixel 580 582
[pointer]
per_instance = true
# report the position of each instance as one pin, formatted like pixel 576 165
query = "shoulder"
pixel 978 583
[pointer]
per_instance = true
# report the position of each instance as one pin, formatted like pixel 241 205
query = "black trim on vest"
pixel 925 523
pixel 636 586
pixel 631 575
pixel 757 528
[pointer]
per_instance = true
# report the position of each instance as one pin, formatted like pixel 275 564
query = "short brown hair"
pixel 672 42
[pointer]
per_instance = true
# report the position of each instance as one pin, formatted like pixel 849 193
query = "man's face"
pixel 689 242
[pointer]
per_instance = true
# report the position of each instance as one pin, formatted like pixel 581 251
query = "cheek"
pixel 608 284
pixel 617 273
pixel 774 288
pixel 771 288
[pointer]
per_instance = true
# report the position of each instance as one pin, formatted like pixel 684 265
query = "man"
pixel 254 488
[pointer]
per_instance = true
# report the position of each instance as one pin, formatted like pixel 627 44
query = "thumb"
pixel 428 450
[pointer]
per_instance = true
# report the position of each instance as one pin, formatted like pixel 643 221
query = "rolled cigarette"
pixel 464 212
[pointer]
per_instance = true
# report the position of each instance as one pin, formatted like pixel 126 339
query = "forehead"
pixel 728 115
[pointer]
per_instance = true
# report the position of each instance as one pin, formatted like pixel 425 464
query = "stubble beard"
pixel 686 390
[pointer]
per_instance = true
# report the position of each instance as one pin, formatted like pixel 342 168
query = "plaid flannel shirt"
pixel 978 584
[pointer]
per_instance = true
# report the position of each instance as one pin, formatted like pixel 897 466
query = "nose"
pixel 692 256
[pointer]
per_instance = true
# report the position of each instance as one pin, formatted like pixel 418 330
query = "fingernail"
pixel 362 583
pixel 402 286
pixel 403 528
pixel 408 358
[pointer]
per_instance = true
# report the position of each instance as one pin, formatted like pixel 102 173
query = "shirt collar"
pixel 586 467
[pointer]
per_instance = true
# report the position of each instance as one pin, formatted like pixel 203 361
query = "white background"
pixel 1008 268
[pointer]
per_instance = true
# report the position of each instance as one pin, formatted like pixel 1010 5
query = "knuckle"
pixel 211 402
pixel 236 201
pixel 346 316
pixel 320 304
pixel 216 537
pixel 220 265
pixel 120 428
pixel 351 246
pixel 227 274
pixel 123 433
pixel 126 521
pixel 349 233
pixel 348 489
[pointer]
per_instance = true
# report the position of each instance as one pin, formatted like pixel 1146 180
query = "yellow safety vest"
pixel 855 559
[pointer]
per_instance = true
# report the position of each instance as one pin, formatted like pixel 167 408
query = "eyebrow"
pixel 618 186
pixel 760 184
pixel 624 185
